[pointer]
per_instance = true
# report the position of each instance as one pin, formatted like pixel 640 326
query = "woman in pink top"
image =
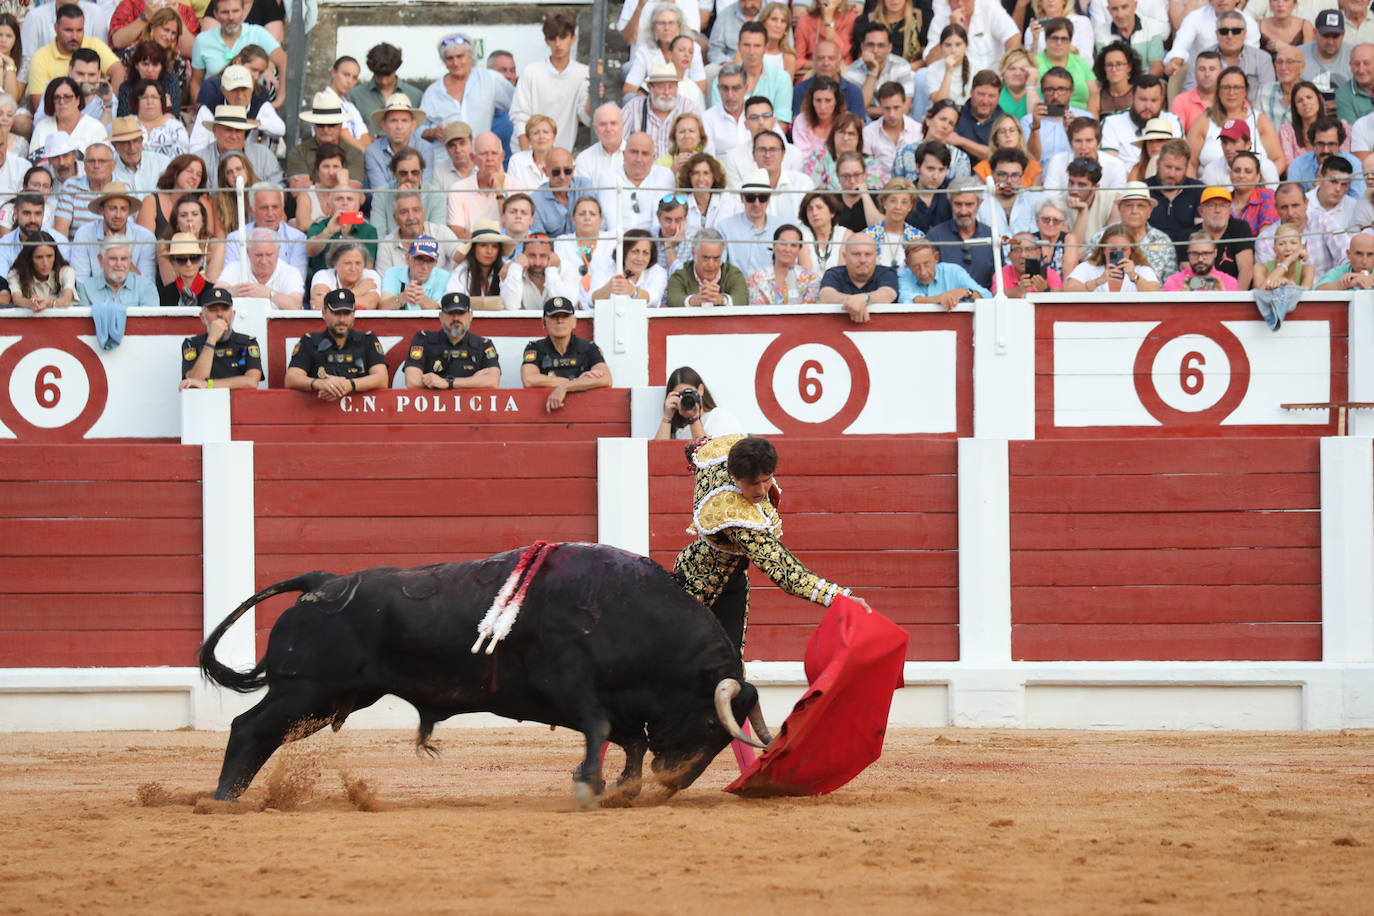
pixel 821 105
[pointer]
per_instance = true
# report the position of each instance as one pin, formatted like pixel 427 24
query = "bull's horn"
pixel 726 691
pixel 760 728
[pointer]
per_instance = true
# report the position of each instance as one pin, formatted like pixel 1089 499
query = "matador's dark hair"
pixel 751 458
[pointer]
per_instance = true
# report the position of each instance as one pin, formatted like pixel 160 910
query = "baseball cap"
pixel 456 130
pixel 1235 129
pixel 425 246
pixel 558 305
pixel 218 295
pixel 1331 22
pixel 1214 193
pixel 455 302
pixel 236 76
pixel 339 300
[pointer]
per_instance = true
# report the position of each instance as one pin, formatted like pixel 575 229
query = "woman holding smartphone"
pixel 1117 266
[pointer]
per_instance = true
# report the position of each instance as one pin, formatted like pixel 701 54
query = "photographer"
pixel 689 411
pixel 1026 273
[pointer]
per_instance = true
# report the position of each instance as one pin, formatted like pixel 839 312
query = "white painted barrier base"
pixel 1269 696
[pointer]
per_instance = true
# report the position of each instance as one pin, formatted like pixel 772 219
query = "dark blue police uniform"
pixel 582 354
pixel 319 355
pixel 233 356
pixel 432 351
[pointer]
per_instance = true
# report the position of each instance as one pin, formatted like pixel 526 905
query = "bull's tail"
pixel 256 678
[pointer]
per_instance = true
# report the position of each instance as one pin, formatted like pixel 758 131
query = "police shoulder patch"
pixel 378 344
pixel 416 352
pixel 491 352
pixel 296 349
pixel 530 356
pixel 189 354
pixel 253 351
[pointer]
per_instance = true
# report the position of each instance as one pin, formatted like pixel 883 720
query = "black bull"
pixel 606 643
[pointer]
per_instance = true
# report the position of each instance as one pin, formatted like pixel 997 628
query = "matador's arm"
pixel 766 552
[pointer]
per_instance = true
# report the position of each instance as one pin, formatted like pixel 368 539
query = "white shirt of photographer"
pixel 716 422
pixel 520 292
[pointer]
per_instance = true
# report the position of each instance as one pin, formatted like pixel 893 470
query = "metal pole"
pixel 243 228
pixel 294 78
pixel 598 53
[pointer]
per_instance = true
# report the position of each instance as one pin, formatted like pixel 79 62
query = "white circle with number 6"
pixel 1191 373
pixel 812 382
pixel 49 388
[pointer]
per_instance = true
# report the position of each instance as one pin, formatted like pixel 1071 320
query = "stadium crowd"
pixel 823 152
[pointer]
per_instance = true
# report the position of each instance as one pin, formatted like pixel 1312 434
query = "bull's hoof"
pixel 586 793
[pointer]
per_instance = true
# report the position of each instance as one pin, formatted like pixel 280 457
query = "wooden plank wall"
pixel 876 514
pixel 100 560
pixel 1183 550
pixel 343 507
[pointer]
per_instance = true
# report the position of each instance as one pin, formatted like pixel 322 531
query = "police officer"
pixel 453 357
pixel 338 360
pixel 221 357
pixel 563 361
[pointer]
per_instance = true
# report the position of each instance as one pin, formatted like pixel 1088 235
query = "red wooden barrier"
pixel 100 564
pixel 1180 550
pixel 875 514
pixel 394 415
pixel 343 507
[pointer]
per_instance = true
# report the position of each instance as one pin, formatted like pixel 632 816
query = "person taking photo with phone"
pixel 1025 272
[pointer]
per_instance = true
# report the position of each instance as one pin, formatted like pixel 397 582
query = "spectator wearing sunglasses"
pixel 1236 50
pixel 1197 33
pixel 554 199
pixel 189 286
pixel 967 241
pixel 749 234
pixel 671 246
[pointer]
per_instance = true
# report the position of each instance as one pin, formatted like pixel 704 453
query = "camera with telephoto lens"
pixel 688 400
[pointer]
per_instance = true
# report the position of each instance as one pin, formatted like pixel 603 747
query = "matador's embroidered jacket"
pixel 733 532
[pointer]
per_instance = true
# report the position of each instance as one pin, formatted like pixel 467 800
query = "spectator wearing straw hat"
pixel 230 126
pixel 138 168
pixel 453 356
pixel 400 128
pixel 112 209
pixel 654 113
pixel 1135 206
pixel 326 117
pixel 189 284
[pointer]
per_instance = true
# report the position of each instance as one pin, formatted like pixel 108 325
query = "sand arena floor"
pixel 948 821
